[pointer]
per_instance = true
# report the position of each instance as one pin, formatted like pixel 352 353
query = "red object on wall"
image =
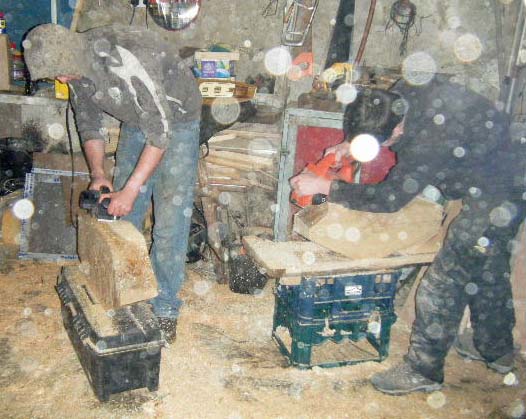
pixel 311 142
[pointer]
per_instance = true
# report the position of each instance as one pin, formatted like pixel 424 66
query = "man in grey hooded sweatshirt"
pixel 137 78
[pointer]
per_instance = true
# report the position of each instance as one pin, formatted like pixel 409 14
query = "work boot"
pixel 168 328
pixel 402 379
pixel 466 349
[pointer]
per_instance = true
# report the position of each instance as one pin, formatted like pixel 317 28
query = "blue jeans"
pixel 172 189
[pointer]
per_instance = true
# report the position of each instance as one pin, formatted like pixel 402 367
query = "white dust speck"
pixel 352 234
pixel 459 152
pixel 187 212
pixel 419 68
pixel 278 61
pixel 374 327
pixel 471 288
pixel 454 22
pixel 500 216
pixel 224 198
pixel 517 409
pixel 364 148
pixel 468 48
pixel 23 209
pixel 247 43
pixel 439 119
pixel 402 235
pixel 483 242
pixel 410 186
pixel 27 312
pixel 225 110
pixel 346 93
pixel 510 379
pixel 435 331
pixel 348 20
pixel 48 312
pixel 308 258
pixel 335 231
pixel 202 287
pixel 475 192
pixel 177 200
pixel 56 131
pixel 436 400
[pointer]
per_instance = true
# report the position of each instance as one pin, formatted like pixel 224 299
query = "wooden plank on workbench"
pixel 297 258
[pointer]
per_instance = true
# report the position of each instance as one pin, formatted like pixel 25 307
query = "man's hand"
pixel 308 183
pixel 340 151
pixel 98 182
pixel 121 203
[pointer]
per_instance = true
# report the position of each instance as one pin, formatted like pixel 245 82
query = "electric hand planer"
pixel 89 200
pixel 327 168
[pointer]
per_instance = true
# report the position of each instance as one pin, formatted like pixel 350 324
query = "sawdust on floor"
pixel 223 365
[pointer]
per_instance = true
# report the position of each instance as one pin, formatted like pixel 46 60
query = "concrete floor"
pixel 223 365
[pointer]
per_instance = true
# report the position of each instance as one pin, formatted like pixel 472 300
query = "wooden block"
pixel 120 271
pixel 5 63
pixel 257 162
pixel 360 234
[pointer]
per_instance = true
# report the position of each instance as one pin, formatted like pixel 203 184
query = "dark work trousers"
pixel 471 269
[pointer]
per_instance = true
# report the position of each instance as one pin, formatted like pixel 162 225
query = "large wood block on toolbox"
pixel 360 234
pixel 120 271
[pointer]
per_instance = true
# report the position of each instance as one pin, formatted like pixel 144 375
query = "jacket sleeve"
pixel 404 182
pixel 88 116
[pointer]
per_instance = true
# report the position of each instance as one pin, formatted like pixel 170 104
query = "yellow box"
pixel 61 90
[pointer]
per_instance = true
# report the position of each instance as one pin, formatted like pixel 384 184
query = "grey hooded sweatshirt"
pixel 137 78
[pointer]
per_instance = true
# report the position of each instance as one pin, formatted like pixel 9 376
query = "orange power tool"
pixel 326 168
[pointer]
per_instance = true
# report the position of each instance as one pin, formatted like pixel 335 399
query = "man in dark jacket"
pixel 138 79
pixel 458 142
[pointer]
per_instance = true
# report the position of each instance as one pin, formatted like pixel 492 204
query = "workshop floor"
pixel 223 365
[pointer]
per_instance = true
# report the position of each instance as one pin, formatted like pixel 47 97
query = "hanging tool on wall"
pixel 297 33
pixel 402 15
pixel 298 21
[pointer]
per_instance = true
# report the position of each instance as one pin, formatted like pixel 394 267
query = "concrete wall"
pixel 238 23
pixel 459 35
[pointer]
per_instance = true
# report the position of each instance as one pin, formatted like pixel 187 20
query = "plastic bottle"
pixel 3 23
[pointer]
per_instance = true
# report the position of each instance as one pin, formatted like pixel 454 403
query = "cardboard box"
pixel 215 65
pixel 5 64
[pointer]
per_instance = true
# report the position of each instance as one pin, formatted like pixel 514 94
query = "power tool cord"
pixel 72 158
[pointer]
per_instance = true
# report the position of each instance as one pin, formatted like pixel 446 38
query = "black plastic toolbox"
pixel 119 349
